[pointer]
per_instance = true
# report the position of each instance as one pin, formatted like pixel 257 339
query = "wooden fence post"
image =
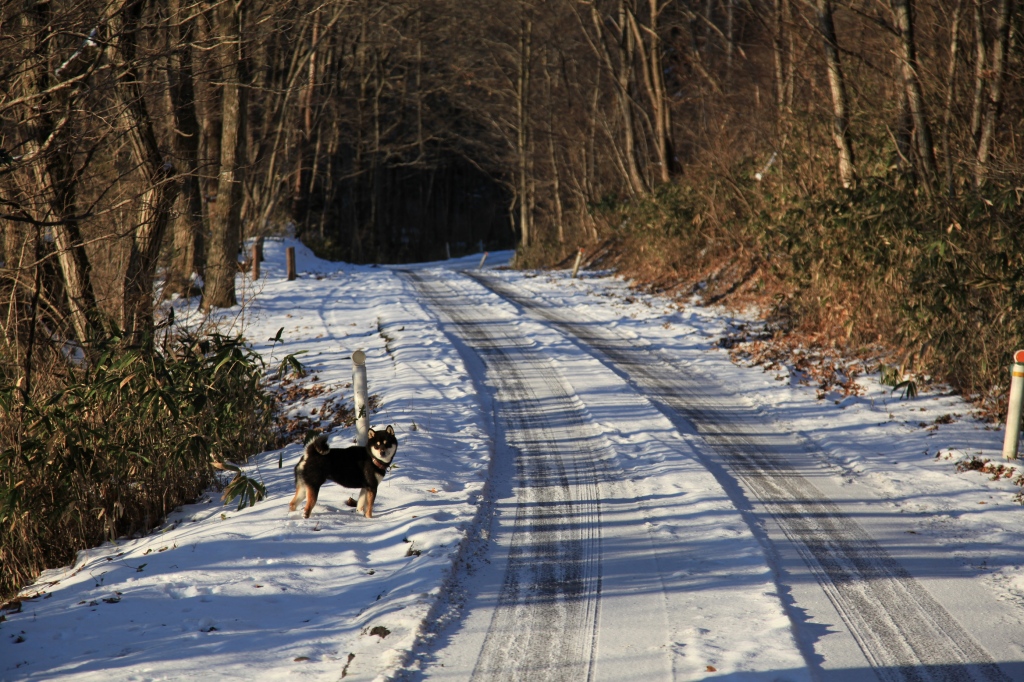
pixel 290 259
pixel 576 267
pixel 255 262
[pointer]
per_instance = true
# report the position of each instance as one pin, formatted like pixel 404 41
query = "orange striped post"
pixel 1013 412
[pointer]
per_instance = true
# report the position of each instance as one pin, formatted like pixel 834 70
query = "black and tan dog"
pixel 352 467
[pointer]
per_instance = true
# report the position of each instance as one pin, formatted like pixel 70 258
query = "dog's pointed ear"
pixel 390 430
pixel 371 434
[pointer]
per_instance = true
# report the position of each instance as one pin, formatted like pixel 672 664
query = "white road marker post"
pixel 760 175
pixel 1013 411
pixel 576 267
pixel 359 398
pixel 482 259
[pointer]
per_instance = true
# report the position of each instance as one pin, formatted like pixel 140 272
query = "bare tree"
pixel 159 191
pixel 188 243
pixel 524 199
pixel 947 109
pixel 648 44
pixel 994 105
pixel 616 46
pixel 907 56
pixel 43 180
pixel 837 87
pixel 226 213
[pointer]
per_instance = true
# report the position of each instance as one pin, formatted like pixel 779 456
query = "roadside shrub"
pixel 121 443
pixel 932 284
pixel 939 282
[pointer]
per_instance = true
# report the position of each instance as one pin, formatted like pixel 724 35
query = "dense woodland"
pixel 139 137
pixel 853 166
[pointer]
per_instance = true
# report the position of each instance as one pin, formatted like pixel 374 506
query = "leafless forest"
pixel 853 166
pixel 139 137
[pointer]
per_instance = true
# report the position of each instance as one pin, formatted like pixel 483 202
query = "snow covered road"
pixel 538 604
pixel 597 562
pixel 586 489
pixel 900 630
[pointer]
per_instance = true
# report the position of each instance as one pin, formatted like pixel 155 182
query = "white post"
pixel 760 175
pixel 482 259
pixel 1013 411
pixel 579 257
pixel 447 251
pixel 359 397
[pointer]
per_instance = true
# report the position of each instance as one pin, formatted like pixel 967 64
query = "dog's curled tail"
pixel 318 446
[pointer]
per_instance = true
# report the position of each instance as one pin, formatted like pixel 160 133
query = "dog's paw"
pixel 351 502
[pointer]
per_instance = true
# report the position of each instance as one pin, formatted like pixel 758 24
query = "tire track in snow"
pixel 903 632
pixel 544 624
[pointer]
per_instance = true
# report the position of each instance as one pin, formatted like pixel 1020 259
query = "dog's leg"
pixel 311 495
pixel 299 492
pixel 370 497
pixel 361 505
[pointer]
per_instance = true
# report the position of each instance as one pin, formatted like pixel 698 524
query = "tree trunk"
pixel 837 86
pixel 53 170
pixel 627 52
pixel 556 180
pixel 787 15
pixel 904 132
pixel 620 71
pixel 522 132
pixel 226 212
pixel 995 90
pixel 907 55
pixel 730 42
pixel 947 109
pixel 209 105
pixel 187 253
pixel 778 61
pixel 654 80
pixel 157 200
pixel 979 71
